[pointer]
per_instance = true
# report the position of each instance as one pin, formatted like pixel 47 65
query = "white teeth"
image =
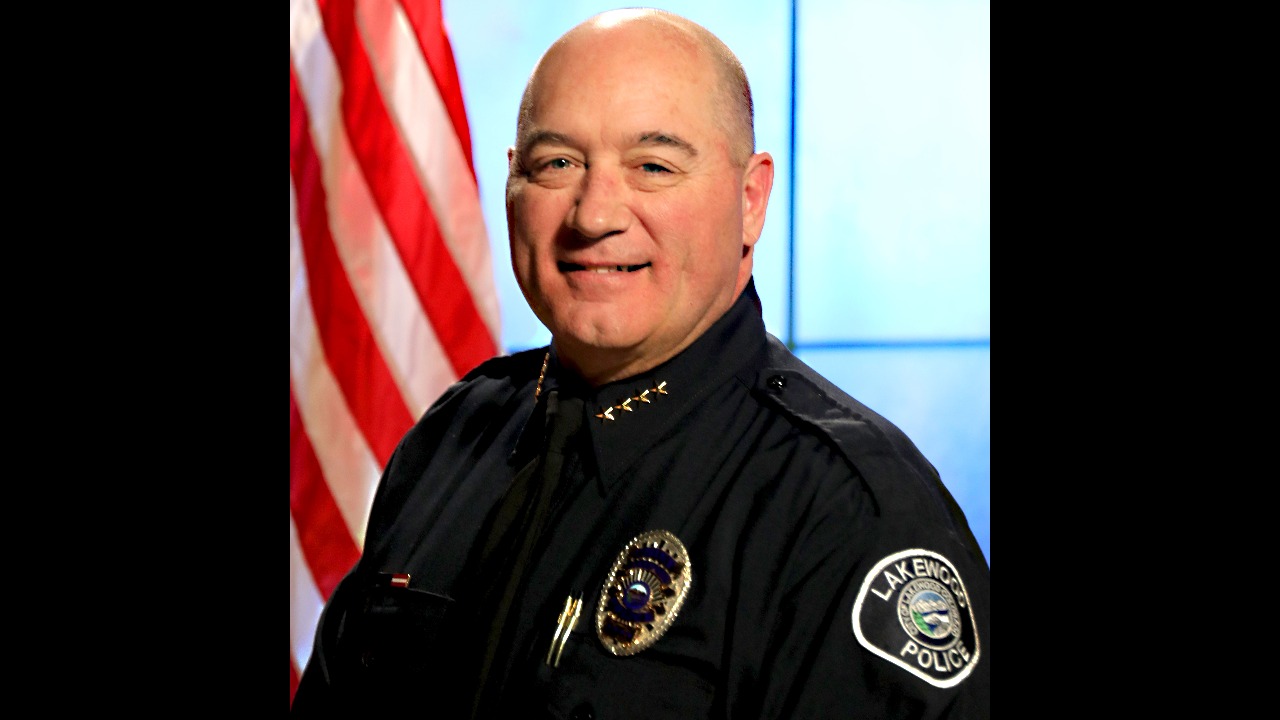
pixel 607 269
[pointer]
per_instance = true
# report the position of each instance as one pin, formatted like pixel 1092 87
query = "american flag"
pixel 391 288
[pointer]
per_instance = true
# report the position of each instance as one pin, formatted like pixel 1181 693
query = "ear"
pixel 512 171
pixel 757 182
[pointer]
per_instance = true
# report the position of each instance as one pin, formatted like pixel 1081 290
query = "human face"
pixel 630 226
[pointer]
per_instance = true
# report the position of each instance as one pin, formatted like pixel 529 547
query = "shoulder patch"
pixel 913 610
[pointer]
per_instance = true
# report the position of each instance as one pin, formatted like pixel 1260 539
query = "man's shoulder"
pixel 485 393
pixel 797 390
pixel 896 472
pixel 521 366
pixel 498 377
pixel 908 493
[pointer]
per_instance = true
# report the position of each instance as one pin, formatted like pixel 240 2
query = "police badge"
pixel 645 589
pixel 913 611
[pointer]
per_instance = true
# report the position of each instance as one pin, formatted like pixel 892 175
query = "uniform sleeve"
pixel 376 641
pixel 886 617
pixel 315 695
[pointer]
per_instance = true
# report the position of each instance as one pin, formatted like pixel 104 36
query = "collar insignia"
pixel 913 611
pixel 645 589
pixel 606 413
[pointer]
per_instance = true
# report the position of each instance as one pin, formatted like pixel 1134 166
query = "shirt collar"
pixel 626 417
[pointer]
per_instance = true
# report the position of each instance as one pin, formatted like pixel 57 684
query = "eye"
pixel 654 168
pixel 548 169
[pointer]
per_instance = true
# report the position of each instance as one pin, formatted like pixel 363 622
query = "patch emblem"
pixel 645 589
pixel 913 610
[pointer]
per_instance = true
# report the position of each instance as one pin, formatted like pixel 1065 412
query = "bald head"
pixel 731 102
pixel 634 195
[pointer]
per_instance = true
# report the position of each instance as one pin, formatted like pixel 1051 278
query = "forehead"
pixel 628 79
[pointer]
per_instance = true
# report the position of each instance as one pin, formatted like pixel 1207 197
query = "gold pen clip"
pixel 564 626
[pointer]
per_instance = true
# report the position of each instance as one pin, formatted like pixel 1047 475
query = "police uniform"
pixel 735 537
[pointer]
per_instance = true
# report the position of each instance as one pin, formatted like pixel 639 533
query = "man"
pixel 664 514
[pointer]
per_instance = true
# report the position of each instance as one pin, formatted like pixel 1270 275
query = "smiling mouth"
pixel 601 269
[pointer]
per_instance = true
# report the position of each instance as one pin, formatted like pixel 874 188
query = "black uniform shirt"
pixel 819 568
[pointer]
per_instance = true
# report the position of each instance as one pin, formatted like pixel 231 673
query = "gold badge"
pixel 646 587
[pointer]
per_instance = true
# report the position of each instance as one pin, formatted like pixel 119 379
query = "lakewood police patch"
pixel 913 611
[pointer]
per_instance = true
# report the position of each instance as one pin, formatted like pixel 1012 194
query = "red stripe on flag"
pixel 389 172
pixel 343 335
pixel 326 543
pixel 293 678
pixel 428 27
pixel 349 345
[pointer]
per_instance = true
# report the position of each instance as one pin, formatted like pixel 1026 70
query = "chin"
pixel 603 341
pixel 606 335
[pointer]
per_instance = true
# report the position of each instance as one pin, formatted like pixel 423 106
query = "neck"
pixel 601 366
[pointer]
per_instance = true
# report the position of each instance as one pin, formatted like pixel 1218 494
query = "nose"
pixel 601 206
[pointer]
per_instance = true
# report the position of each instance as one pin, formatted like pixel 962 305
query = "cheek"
pixel 521 241
pixel 520 261
pixel 524 229
pixel 701 231
pixel 536 217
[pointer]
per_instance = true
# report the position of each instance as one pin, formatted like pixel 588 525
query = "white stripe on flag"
pixel 422 120
pixel 421 368
pixel 305 603
pixel 384 290
pixel 349 466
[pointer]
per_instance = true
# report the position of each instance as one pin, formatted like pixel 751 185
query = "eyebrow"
pixel 546 137
pixel 652 137
pixel 657 137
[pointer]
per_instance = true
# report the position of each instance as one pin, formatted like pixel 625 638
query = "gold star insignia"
pixel 606 413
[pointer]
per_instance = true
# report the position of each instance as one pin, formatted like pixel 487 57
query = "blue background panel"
pixel 941 398
pixel 893 191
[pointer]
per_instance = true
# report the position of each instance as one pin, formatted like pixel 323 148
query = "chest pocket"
pixel 388 639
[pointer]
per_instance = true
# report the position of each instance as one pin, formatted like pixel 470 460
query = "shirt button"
pixel 777 382
pixel 583 712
